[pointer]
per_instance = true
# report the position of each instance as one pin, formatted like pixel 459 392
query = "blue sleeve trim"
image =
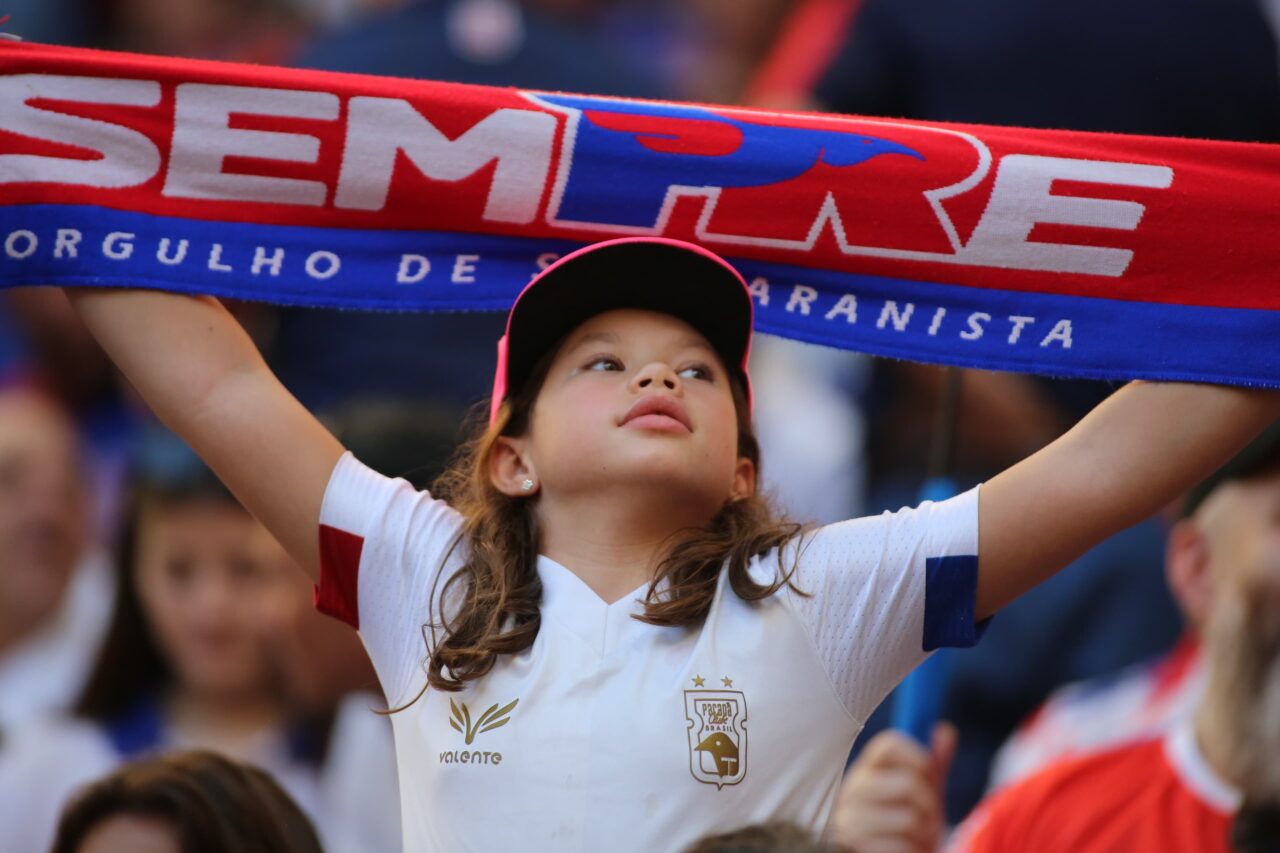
pixel 950 589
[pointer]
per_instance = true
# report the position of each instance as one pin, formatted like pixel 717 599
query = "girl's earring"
pixel 527 485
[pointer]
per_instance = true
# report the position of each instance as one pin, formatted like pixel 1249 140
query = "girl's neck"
pixel 612 544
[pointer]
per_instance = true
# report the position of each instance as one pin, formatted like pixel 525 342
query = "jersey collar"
pixel 1194 771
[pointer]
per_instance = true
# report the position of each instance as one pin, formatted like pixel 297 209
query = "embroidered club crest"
pixel 717 735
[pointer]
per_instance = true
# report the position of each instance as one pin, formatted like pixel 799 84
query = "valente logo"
pixel 460 720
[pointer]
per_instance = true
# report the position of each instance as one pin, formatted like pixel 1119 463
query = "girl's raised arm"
pixel 1136 452
pixel 201 374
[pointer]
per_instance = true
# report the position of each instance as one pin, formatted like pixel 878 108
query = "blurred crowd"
pixel 144 614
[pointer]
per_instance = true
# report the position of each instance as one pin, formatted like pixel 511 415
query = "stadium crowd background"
pixel 141 609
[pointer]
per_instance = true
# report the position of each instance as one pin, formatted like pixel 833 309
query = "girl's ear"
pixel 510 471
pixel 744 480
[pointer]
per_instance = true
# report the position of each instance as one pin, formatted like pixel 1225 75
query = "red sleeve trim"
pixel 809 42
pixel 337 594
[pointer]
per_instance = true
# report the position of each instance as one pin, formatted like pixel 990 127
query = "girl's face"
pixel 197 579
pixel 640 398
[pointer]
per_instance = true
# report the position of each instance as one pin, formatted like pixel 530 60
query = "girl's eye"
pixel 697 371
pixel 604 362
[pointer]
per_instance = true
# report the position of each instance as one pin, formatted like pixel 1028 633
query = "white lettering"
pixel 1018 324
pixel 11 244
pixel 1060 332
pixel 464 269
pixel 413 269
pixel 1022 198
pixel 123 157
pixel 937 321
pixel 890 312
pixel 759 289
pixel 331 265
pixel 66 242
pixel 380 128
pixel 215 259
pixel 162 252
pixel 272 263
pixel 846 307
pixel 976 319
pixel 545 260
pixel 203 138
pixel 801 297
pixel 117 246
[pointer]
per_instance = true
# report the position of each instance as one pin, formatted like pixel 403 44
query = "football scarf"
pixel 1054 252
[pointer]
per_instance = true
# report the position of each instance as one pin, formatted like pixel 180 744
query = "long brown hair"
pixel 497 588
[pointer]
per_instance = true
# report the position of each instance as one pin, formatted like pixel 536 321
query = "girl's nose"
pixel 655 375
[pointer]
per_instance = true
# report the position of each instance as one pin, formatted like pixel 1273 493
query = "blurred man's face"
pixel 43 511
pixel 1242 631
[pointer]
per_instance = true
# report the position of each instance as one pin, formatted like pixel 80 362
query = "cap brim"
pixel 648 274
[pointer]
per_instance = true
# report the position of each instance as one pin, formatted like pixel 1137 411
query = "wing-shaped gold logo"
pixel 493 717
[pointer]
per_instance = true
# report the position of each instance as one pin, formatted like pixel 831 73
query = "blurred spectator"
pixel 182 664
pixel 1180 792
pixel 55 588
pixel 193 802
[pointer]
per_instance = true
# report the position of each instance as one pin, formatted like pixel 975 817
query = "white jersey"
pixel 612 734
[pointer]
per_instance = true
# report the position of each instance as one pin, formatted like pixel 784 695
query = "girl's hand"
pixel 891 798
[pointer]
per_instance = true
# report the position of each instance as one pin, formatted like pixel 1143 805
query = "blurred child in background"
pixel 194 802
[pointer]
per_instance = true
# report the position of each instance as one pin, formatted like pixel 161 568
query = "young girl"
pixel 183 664
pixel 605 640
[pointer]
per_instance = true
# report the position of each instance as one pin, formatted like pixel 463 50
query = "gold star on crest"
pixel 728 682
pixel 698 681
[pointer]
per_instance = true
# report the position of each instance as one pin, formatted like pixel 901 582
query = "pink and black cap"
pixel 649 273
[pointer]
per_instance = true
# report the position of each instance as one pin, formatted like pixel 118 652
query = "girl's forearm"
pixel 1134 454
